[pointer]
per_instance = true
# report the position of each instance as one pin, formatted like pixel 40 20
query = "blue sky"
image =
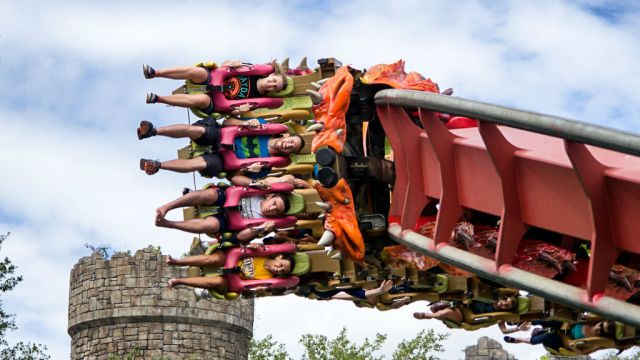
pixel 72 95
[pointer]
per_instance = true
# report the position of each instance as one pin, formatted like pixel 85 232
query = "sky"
pixel 72 94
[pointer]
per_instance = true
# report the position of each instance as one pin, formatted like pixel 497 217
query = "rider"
pixel 248 268
pixel 550 333
pixel 237 87
pixel 206 132
pixel 267 206
pixel 507 303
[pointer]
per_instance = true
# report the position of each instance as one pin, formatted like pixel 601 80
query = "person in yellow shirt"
pixel 249 268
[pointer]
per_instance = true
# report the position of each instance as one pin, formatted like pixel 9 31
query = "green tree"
pixel 21 350
pixel 267 349
pixel 613 355
pixel 420 347
pixel 320 347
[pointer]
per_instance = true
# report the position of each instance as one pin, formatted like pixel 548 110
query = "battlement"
pixel 117 305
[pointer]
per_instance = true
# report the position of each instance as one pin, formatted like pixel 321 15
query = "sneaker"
pixel 146 129
pixel 152 98
pixel 510 339
pixel 149 166
pixel 148 71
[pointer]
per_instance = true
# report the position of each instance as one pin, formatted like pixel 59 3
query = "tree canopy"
pixel 319 347
pixel 21 350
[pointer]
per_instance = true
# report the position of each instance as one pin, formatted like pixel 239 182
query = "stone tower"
pixel 486 349
pixel 119 305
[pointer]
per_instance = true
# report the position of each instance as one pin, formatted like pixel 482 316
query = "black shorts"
pixel 214 165
pixel 209 109
pixel 211 136
pixel 222 197
pixel 223 222
pixel 206 82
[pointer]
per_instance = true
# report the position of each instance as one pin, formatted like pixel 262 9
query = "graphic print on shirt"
pixel 250 207
pixel 247 268
pixel 237 87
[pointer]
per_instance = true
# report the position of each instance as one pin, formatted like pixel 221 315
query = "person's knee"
pixel 202 101
pixel 211 225
pixel 197 163
pixel 198 74
pixel 209 196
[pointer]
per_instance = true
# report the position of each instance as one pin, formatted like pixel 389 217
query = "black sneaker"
pixel 148 71
pixel 152 98
pixel 146 129
pixel 150 167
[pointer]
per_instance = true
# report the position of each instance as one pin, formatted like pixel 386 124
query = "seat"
pixel 279 116
pixel 237 284
pixel 231 161
pixel 235 220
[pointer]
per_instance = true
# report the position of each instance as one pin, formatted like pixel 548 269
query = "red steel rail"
pixel 529 169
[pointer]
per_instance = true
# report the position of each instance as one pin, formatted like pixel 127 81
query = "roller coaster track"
pixel 532 170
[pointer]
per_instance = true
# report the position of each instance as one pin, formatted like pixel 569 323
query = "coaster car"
pixel 237 284
pixel 231 207
pixel 214 88
pixel 525 305
pixel 625 337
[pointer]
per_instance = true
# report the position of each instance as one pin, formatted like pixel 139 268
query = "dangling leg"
pixel 200 101
pixel 215 260
pixel 209 225
pixel 217 283
pixel 181 131
pixel 196 74
pixel 452 314
pixel 184 165
pixel 151 167
pixel 207 196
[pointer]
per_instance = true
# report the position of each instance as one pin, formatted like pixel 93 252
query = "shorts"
pixel 223 222
pixel 214 165
pixel 208 80
pixel 211 136
pixel 355 292
pixel 209 109
pixel 222 197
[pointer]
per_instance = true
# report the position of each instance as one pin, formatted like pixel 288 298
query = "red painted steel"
pixel 593 180
pixel 403 136
pixel 442 142
pixel 526 178
pixel 503 154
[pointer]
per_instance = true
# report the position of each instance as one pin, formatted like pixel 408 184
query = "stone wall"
pixel 122 304
pixel 487 349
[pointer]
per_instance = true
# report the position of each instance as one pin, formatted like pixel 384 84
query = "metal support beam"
pixel 503 155
pixel 408 198
pixel 510 276
pixel 592 175
pixel 573 130
pixel 442 141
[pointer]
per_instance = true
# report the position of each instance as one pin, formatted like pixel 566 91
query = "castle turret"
pixel 123 305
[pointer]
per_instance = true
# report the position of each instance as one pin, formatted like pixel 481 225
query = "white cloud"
pixel 72 95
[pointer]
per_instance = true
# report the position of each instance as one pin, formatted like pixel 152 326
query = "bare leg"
pixel 194 73
pixel 184 165
pixel 218 283
pixel 452 314
pixel 200 101
pixel 209 225
pixel 400 302
pixel 181 131
pixel 515 340
pixel 215 259
pixel 194 198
